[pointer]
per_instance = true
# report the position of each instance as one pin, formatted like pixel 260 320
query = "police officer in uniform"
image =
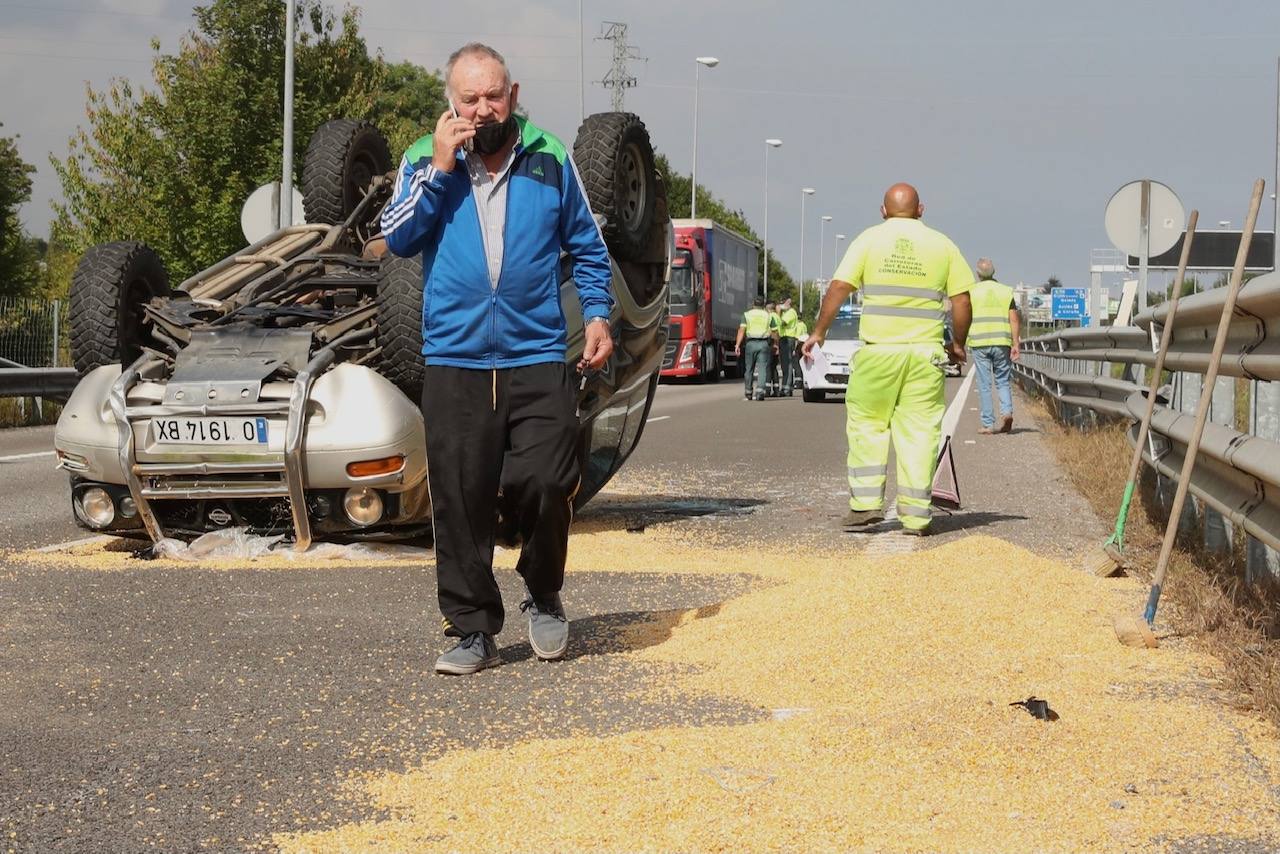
pixel 802 335
pixel 788 321
pixel 759 329
pixel 905 270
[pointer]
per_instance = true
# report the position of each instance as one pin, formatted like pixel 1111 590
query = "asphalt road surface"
pixel 189 707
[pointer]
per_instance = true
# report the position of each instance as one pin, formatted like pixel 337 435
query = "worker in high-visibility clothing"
pixel 771 366
pixel 993 341
pixel 788 320
pixel 802 335
pixel 905 271
pixel 759 329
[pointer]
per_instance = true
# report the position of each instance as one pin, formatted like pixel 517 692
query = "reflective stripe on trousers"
pixel 895 394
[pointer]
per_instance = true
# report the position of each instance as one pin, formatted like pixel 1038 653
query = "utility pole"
pixel 619 78
pixel 286 183
pixel 582 84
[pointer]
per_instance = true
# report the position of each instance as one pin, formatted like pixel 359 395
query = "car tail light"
pixel 369 468
pixel 72 462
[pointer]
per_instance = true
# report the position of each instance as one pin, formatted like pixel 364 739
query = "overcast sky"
pixel 1017 120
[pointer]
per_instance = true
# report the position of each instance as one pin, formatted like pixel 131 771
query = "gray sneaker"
pixel 473 653
pixel 548 627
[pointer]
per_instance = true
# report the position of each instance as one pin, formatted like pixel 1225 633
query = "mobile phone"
pixel 467 144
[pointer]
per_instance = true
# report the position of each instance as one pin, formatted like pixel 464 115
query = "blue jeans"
pixel 989 361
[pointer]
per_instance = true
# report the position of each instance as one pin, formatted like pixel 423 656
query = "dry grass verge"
pixel 1205 596
pixel 22 412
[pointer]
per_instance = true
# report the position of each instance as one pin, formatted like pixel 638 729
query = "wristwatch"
pixel 603 320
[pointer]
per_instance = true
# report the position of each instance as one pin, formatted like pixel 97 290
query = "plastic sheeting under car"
pixel 239 544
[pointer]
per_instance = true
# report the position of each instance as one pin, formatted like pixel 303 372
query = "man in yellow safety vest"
pixel 760 330
pixel 993 341
pixel 802 335
pixel 788 321
pixel 905 270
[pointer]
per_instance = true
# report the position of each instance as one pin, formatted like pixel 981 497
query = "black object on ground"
pixel 1037 708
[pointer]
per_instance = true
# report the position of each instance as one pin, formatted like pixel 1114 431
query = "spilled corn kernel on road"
pixel 741 677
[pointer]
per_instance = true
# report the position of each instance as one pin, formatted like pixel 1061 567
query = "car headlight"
pixel 362 505
pixel 98 508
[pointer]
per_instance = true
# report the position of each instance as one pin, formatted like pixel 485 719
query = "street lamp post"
pixel 286 172
pixel 709 62
pixel 805 192
pixel 835 262
pixel 822 247
pixel 582 86
pixel 768 143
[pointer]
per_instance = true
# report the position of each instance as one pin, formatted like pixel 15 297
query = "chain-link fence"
pixel 33 333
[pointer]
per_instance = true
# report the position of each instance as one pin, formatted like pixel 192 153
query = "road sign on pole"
pixel 1069 303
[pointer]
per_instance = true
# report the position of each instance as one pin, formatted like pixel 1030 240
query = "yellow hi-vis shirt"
pixel 789 320
pixel 992 303
pixel 758 322
pixel 905 269
pixel 802 329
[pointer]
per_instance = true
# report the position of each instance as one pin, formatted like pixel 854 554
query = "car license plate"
pixel 209 431
pixel 843 370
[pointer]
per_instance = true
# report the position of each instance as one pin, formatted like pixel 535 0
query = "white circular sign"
pixel 1123 218
pixel 261 212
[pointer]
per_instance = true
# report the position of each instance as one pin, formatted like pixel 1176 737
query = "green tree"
pixel 407 104
pixel 172 165
pixel 781 284
pixel 19 254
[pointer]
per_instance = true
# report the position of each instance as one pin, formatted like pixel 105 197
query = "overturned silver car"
pixel 277 390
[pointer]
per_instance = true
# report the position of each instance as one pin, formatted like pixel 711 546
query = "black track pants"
pixel 513 429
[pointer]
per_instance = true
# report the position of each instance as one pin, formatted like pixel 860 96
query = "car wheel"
pixel 344 156
pixel 110 285
pixel 615 158
pixel 813 395
pixel 399 318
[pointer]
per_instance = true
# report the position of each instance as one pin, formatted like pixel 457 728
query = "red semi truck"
pixel 714 278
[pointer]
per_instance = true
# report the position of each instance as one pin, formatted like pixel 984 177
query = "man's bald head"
pixel 902 200
pixel 986 270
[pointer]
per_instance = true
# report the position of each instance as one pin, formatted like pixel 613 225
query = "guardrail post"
pixel 1189 388
pixel 1222 410
pixel 1263 562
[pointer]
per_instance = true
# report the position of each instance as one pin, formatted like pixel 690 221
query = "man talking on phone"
pixel 489 201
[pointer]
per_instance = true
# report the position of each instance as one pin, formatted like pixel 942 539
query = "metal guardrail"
pixel 1100 370
pixel 53 383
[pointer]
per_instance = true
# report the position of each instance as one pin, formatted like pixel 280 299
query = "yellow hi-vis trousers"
pixel 895 391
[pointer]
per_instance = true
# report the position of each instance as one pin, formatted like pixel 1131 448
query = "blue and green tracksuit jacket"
pixel 466 321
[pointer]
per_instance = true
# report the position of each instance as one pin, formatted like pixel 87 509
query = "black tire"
pixel 110 285
pixel 399 307
pixel 813 395
pixel 343 157
pixel 615 158
pixel 711 363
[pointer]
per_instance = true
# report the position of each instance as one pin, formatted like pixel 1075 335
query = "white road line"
pixel 657 418
pixel 13 458
pixel 952 418
pixel 70 544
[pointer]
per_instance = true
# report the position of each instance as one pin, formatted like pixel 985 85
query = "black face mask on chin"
pixel 490 138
